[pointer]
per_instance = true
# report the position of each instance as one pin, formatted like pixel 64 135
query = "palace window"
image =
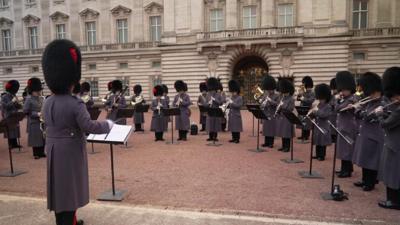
pixel 94 87
pixel 359 56
pixel 60 31
pixel 8 70
pixel 91 66
pixel 216 20
pixel 33 37
pixel 123 65
pixel 122 30
pixel 30 3
pixel 6 39
pixel 249 17
pixel 155 28
pixel 285 15
pixel 90 33
pixel 34 69
pixel 4 3
pixel 360 14
pixel 156 64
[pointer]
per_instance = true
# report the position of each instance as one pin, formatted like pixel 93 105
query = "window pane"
pixel 364 5
pixel 155 28
pixel 6 40
pixel 33 37
pixel 356 20
pixel 216 20
pixel 91 33
pixel 94 88
pixel 364 19
pixel 356 5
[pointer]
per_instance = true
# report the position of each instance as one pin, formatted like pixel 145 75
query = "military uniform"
pixel 321 140
pixel 213 124
pixel 202 101
pixel 138 117
pixel 285 129
pixel 182 122
pixel 113 111
pixel 32 108
pixel 8 108
pixel 158 120
pixel 270 125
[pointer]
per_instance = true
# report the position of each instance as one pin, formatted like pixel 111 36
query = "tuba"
pixel 257 93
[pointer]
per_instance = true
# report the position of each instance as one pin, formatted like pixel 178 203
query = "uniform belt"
pixel 63 133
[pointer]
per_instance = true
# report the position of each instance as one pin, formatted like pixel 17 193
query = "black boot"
pixel 210 136
pixel 265 142
pixel 392 199
pixel 203 127
pixel 184 135
pixel 369 178
pixel 347 169
pixel 320 152
pixel 286 145
pixel 237 138
pixel 306 134
pixel 233 137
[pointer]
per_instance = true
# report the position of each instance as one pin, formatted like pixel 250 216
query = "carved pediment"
pixel 31 19
pixel 120 10
pixel 89 13
pixel 154 6
pixel 5 22
pixel 58 16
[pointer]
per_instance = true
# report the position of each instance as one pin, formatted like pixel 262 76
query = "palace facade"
pixel 159 41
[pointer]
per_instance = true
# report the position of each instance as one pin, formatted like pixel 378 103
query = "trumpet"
pixel 139 99
pixel 104 100
pixel 359 103
pixel 225 106
pixel 300 92
pixel 159 105
pixel 211 101
pixel 179 102
pixel 85 98
pixel 278 108
pixel 258 93
pixel 264 103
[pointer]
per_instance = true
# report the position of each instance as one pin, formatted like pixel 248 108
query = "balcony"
pixel 86 48
pixel 388 31
pixel 252 33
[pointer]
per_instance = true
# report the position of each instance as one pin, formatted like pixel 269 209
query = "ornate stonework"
pixel 89 14
pixel 5 23
pixel 59 17
pixel 120 11
pixel 31 20
pixel 154 7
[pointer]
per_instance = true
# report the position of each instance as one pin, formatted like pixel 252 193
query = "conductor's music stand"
pixel 11 122
pixel 94 113
pixel 259 115
pixel 294 120
pixel 124 113
pixel 171 112
pixel 216 113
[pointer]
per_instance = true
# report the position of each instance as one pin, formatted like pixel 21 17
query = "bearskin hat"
pixel 165 88
pixel 308 82
pixel 212 84
pixel 332 84
pixel 34 84
pixel 61 62
pixel 137 89
pixel 234 86
pixel 220 87
pixel 203 86
pixel 185 87
pixel 109 86
pixel 268 83
pixel 179 85
pixel 391 82
pixel 76 89
pixel 345 81
pixel 12 86
pixel 85 87
pixel 286 86
pixel 158 90
pixel 370 83
pixel 116 85
pixel 322 91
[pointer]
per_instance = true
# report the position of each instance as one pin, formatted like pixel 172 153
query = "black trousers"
pixel 320 151
pixel 305 134
pixel 223 125
pixel 203 127
pixel 347 166
pixel 213 135
pixel 159 135
pixel 393 195
pixel 334 138
pixel 138 126
pixel 13 142
pixel 369 177
pixel 269 141
pixel 66 218
pixel 286 143
pixel 236 136
pixel 38 151
pixel 183 134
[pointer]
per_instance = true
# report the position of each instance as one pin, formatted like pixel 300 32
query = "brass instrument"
pixel 85 98
pixel 258 93
pixel 264 103
pixel 359 103
pixel 104 100
pixel 119 96
pixel 159 105
pixel 278 108
pixel 300 92
pixel 139 99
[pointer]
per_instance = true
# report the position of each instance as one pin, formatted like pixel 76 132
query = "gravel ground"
pixel 226 179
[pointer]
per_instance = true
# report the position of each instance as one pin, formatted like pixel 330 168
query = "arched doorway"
pixel 249 71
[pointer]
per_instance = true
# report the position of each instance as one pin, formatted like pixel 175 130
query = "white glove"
pixel 379 110
pixel 110 124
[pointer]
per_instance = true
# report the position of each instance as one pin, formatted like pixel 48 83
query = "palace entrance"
pixel 249 71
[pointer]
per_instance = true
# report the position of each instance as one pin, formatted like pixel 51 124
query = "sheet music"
pixel 118 133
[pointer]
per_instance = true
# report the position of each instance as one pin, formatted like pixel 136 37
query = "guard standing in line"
pixel 306 99
pixel 285 129
pixel 85 95
pixel 269 103
pixel 116 101
pixel 202 101
pixel 10 105
pixel 235 103
pixel 182 101
pixel 138 100
pixel 214 100
pixel 158 120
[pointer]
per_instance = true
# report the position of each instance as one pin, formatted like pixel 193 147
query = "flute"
pixel 359 103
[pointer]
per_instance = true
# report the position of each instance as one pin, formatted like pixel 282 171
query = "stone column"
pixel 267 13
pixel 231 15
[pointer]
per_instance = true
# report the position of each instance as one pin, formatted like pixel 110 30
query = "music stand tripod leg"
pixel 311 174
pixel 12 172
pixel 292 160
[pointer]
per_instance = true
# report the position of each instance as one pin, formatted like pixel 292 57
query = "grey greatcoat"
pixel 347 125
pixel 369 143
pixel 8 107
pixel 213 123
pixel 32 108
pixel 389 167
pixel 138 117
pixel 308 100
pixel 182 122
pixel 333 116
pixel 158 121
pixel 284 128
pixel 202 101
pixel 167 101
pixel 67 121
pixel 235 123
pixel 114 111
pixel 321 118
pixel 270 126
